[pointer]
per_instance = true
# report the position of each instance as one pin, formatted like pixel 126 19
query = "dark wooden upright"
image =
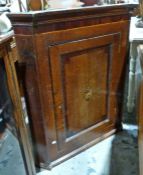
pixel 73 68
pixel 8 53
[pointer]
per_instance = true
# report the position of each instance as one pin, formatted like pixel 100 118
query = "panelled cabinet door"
pixel 83 76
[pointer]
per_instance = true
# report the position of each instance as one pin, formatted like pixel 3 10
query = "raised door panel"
pixel 84 92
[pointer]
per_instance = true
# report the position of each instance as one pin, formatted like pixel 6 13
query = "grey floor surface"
pixel 116 155
pixel 11 162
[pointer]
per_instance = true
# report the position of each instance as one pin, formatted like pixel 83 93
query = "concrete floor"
pixel 116 155
pixel 11 162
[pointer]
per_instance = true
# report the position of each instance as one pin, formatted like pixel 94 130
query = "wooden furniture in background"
pixel 139 100
pixel 73 68
pixel 135 38
pixel 8 53
pixel 90 2
pixel 34 5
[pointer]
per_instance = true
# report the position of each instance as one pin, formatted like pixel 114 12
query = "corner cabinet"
pixel 72 67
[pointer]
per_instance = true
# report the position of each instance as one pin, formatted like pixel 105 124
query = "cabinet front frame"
pixel 43 42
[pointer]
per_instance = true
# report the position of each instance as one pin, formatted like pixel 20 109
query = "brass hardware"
pixel 88 94
pixel 60 106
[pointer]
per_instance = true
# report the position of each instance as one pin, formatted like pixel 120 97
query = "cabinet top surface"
pixel 73 11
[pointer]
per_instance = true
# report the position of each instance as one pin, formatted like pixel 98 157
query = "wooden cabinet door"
pixel 84 90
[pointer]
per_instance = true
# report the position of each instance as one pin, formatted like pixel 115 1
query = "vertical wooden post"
pixel 20 7
pixel 18 113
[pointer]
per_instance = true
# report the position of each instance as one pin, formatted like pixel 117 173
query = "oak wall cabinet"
pixel 72 64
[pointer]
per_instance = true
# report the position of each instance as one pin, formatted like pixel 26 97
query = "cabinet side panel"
pixel 28 76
